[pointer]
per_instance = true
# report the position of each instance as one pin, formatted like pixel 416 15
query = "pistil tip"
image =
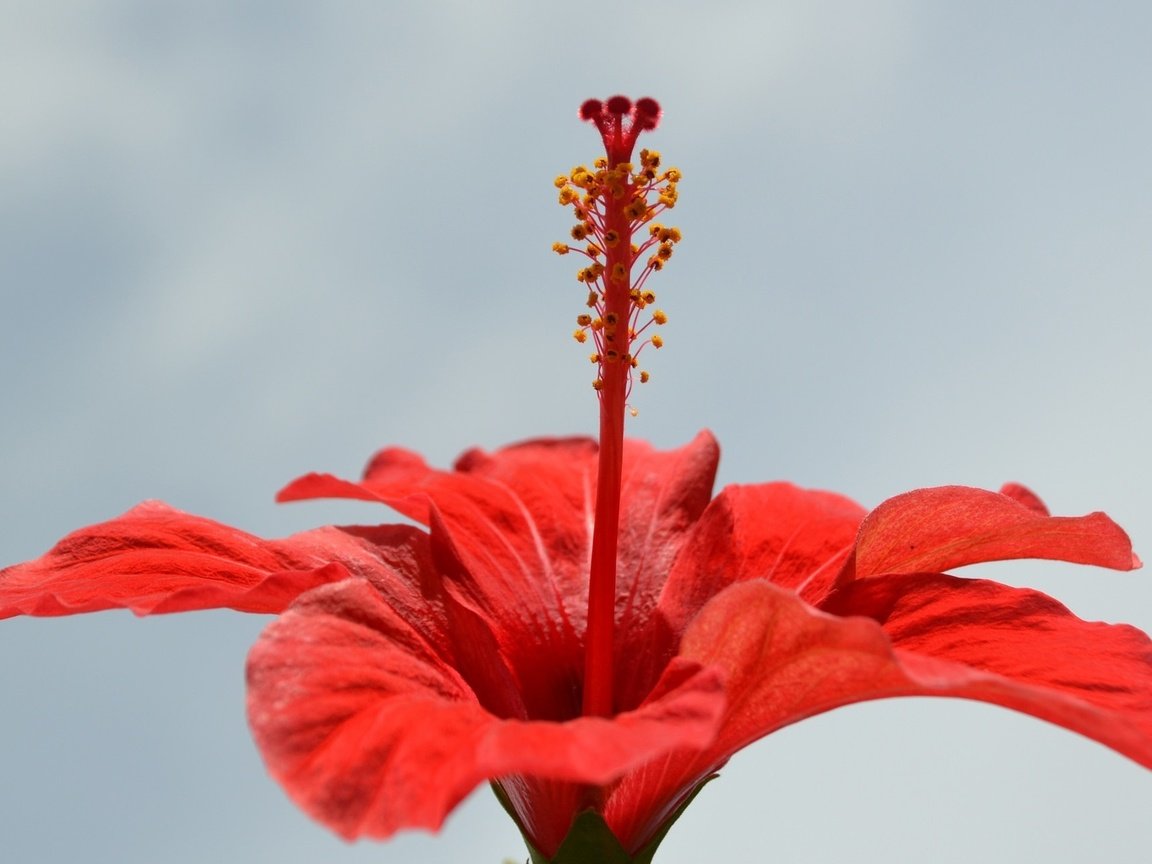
pixel 619 105
pixel 620 121
pixel 591 109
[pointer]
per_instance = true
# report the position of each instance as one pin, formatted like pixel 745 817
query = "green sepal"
pixel 591 841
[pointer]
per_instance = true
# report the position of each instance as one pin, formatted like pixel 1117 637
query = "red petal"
pixel 949 637
pixel 518 523
pixel 933 530
pixel 370 729
pixel 663 495
pixel 774 531
pixel 782 661
pixel 516 530
pixel 1025 496
pixel 158 559
pixel 793 537
pixel 391 477
pixel 1017 648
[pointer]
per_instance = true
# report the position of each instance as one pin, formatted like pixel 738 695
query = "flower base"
pixel 591 841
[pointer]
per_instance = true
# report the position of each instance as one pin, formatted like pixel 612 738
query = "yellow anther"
pixel 637 208
pixel 634 412
pixel 626 195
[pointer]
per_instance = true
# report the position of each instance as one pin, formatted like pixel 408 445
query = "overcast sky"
pixel 244 240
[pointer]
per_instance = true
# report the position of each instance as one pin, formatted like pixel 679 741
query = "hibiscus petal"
pixel 785 660
pixel 774 531
pixel 396 477
pixel 1017 648
pixel 155 559
pixel 782 661
pixel 949 637
pixel 793 537
pixel 663 494
pixel 371 731
pixel 1024 495
pixel 519 521
pixel 933 530
pixel 515 529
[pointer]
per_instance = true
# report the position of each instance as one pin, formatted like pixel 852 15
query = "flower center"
pixel 612 202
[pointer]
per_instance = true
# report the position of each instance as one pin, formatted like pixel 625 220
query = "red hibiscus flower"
pixel 583 624
pixel 407 666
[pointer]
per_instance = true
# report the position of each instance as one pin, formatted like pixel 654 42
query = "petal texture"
pixel 1017 648
pixel 155 559
pixel 933 530
pixel 370 727
pixel 514 535
pixel 793 537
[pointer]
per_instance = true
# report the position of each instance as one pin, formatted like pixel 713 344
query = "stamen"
pixel 611 202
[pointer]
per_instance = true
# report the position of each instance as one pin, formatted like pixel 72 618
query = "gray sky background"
pixel 244 240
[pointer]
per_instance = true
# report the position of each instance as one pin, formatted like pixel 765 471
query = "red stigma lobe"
pixel 620 122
